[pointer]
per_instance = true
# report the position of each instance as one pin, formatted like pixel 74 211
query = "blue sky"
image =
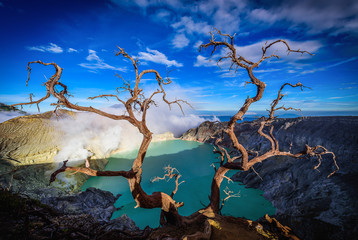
pixel 81 36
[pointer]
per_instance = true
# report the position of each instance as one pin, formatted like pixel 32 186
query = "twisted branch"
pixel 227 162
pixel 170 172
pixel 135 102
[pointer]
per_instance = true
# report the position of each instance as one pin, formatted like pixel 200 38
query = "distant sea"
pixel 224 116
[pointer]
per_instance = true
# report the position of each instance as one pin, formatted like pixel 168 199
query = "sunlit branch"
pixel 227 162
pixel 90 172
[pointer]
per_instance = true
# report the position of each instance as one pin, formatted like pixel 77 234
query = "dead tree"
pixel 139 103
pixel 136 103
pixel 243 161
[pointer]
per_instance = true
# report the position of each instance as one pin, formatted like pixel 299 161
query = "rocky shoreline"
pixel 315 206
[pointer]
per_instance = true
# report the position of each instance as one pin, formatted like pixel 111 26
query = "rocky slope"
pixel 317 207
pixel 28 145
pixel 29 139
pixel 74 218
pixel 83 217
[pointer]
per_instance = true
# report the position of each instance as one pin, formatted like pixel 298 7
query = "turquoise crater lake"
pixel 193 160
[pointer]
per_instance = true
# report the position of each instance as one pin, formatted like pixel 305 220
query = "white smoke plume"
pixel 89 133
pixel 4 115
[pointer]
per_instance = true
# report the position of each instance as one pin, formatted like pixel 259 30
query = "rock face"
pixel 24 218
pixel 29 139
pixel 28 145
pixel 315 206
pixel 96 202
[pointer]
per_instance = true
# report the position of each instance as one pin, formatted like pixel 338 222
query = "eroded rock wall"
pixel 29 139
pixel 28 145
pixel 304 198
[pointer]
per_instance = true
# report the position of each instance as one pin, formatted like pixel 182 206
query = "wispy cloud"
pixel 329 66
pixel 96 63
pixel 157 57
pixel 350 83
pixel 72 50
pixel 197 44
pixel 342 62
pixel 319 16
pixel 267 70
pixel 234 83
pixel 231 74
pixel 347 88
pixel 188 25
pixel 346 96
pixel 51 48
pixel 162 15
pixel 253 52
pixel 336 97
pixel 202 61
pixel 305 16
pixel 313 70
pixel 180 41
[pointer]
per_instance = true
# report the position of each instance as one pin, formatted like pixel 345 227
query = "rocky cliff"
pixel 317 207
pixel 28 145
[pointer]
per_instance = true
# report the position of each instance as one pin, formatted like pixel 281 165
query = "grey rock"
pixel 122 223
pixel 304 198
pixel 96 202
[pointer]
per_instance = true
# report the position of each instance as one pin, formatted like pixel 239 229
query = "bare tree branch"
pixel 170 173
pixel 227 162
pixel 136 102
pixel 90 172
pixel 229 194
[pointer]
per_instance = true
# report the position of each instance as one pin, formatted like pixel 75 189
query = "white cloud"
pixel 147 3
pixel 197 44
pixel 4 116
pixel 180 41
pixel 162 15
pixel 157 57
pixel 235 83
pixel 92 56
pixel 202 61
pixel 96 63
pixel 188 25
pixel 51 48
pixel 329 66
pixel 336 97
pixel 267 70
pixel 347 88
pixel 317 16
pixel 342 62
pixel 253 53
pixel 312 70
pixel 72 50
pixel 264 15
pixel 224 14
